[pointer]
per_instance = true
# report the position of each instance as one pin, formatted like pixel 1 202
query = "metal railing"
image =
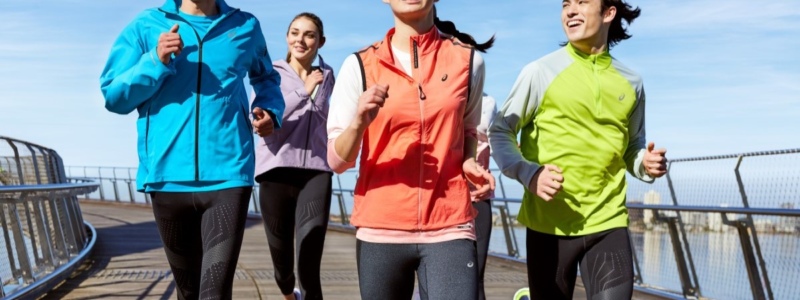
pixel 44 236
pixel 731 229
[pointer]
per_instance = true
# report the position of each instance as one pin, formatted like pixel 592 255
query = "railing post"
pixel 502 186
pixel 511 230
pixel 35 164
pixel 100 181
pixel 682 230
pixel 343 208
pixel 60 238
pixel 689 289
pixel 9 251
pixel 742 227
pixel 25 266
pixel 254 196
pixel 129 181
pixel 637 275
pixel 114 184
pixel 755 243
pixel 512 251
pixel 73 200
pixel 75 226
pixel 18 162
pixel 44 234
pixel 31 231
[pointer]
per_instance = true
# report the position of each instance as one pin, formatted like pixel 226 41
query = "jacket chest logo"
pixel 232 34
pixel 621 97
pixel 444 78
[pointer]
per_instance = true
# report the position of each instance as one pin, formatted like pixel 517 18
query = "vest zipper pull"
pixel 421 93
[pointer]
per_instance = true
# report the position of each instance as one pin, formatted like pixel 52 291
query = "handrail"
pixel 725 210
pixel 730 156
pixel 51 280
pixel 46 187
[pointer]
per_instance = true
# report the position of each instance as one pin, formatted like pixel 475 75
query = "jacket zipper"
pixel 308 130
pixel 598 102
pixel 422 139
pixel 197 109
pixel 199 85
pixel 147 132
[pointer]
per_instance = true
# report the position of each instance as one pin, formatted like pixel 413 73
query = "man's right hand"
pixel 369 104
pixel 169 43
pixel 546 183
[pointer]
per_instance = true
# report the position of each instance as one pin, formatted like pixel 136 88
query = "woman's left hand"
pixel 478 177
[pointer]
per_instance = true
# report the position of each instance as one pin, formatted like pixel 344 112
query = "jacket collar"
pixel 172 6
pixel 601 60
pixel 425 43
pixel 283 64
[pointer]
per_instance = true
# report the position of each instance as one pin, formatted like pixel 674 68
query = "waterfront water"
pixel 717 256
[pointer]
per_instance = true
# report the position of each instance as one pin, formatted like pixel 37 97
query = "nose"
pixel 571 10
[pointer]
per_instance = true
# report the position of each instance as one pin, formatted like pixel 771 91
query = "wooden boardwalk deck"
pixel 129 263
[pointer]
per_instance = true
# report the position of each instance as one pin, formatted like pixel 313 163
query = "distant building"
pixel 788 224
pixel 636 216
pixel 715 220
pixel 650 198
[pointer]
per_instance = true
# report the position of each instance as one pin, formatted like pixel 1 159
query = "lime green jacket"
pixel 585 114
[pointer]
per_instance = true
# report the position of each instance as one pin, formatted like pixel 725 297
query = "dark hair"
pixel 314 19
pixel 450 28
pixel 617 32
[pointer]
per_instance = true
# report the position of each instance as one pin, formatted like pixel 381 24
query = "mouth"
pixel 574 23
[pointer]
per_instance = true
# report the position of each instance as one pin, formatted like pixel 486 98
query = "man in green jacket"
pixel 581 114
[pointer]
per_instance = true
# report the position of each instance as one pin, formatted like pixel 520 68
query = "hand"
pixel 262 122
pixel 655 161
pixel 312 80
pixel 547 182
pixel 482 180
pixel 369 104
pixel 169 43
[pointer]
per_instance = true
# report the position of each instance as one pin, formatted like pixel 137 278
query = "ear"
pixel 609 14
pixel 321 42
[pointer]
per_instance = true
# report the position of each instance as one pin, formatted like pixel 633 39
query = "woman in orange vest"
pixel 410 104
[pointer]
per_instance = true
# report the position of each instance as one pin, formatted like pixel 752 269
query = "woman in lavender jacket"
pixel 291 165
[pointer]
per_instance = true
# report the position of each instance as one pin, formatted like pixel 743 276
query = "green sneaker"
pixel 523 294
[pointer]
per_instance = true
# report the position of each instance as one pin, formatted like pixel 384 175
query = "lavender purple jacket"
pixel 301 142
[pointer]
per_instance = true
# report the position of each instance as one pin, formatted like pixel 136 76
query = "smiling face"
pixel 585 22
pixel 304 39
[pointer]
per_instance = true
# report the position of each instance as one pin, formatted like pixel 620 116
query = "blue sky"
pixel 721 76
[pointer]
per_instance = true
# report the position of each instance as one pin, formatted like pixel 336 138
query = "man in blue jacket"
pixel 181 67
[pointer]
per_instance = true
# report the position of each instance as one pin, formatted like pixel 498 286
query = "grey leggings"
pixel 445 270
pixel 202 235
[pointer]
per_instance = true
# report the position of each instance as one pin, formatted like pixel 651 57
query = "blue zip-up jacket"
pixel 194 124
